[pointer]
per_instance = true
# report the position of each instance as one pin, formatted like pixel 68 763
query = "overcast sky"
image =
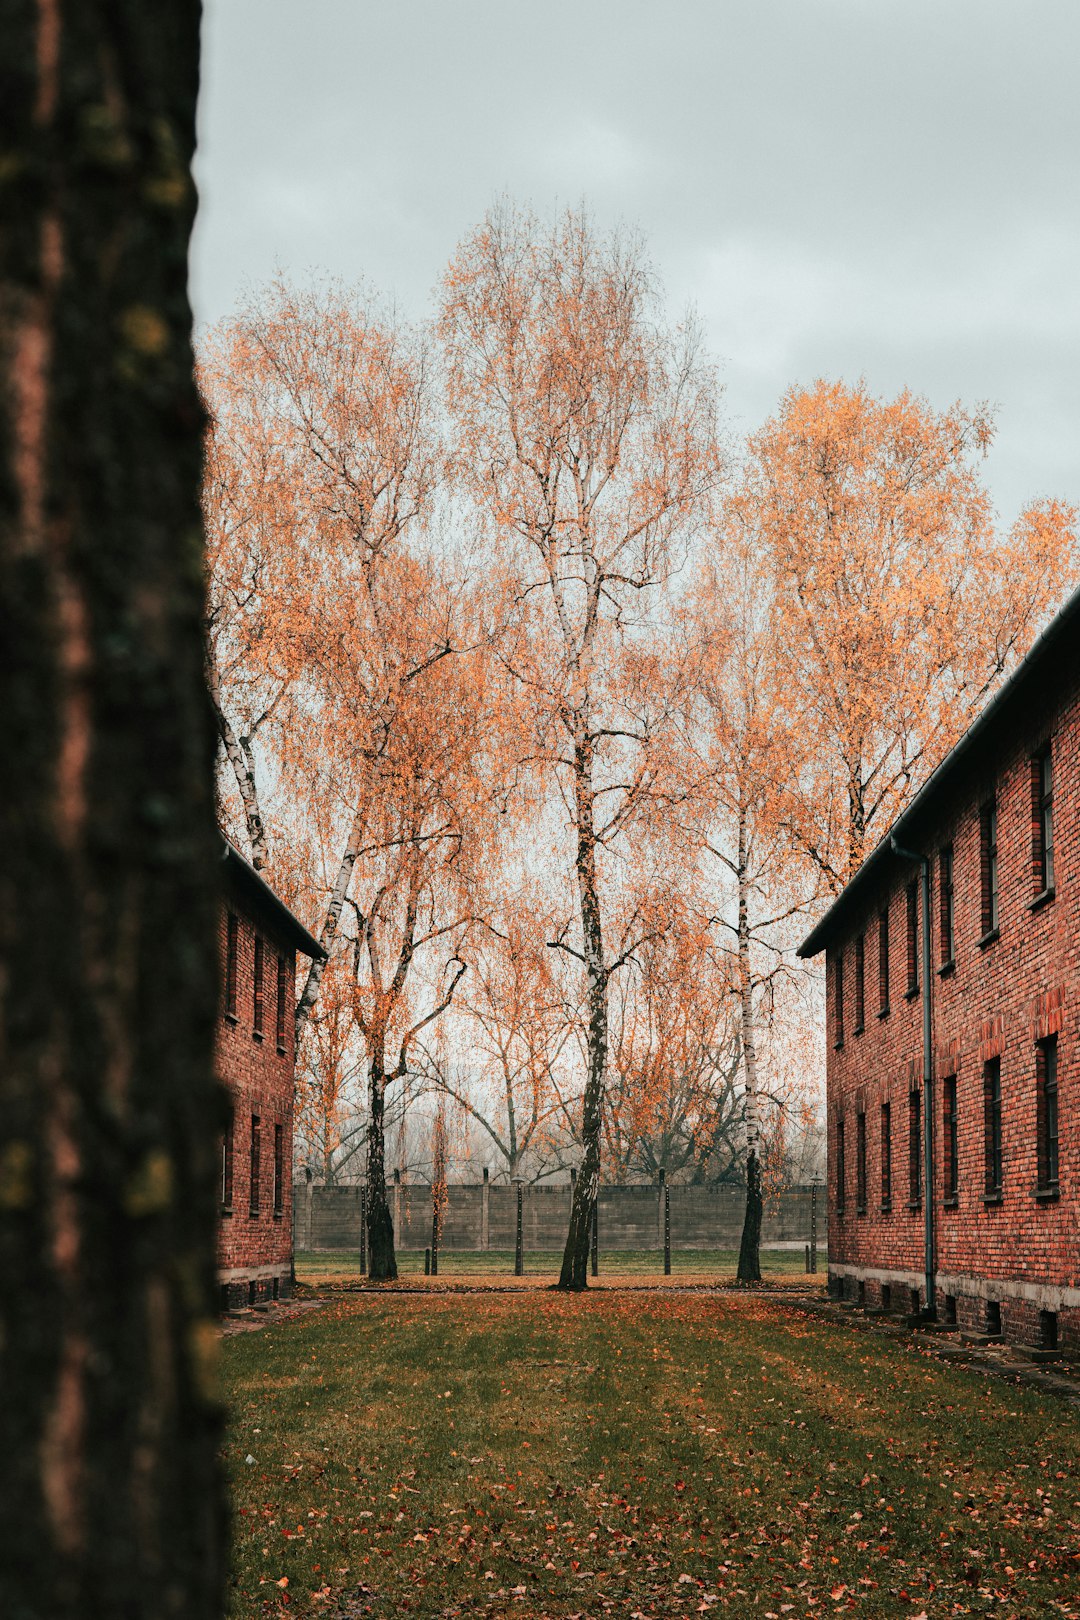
pixel 841 187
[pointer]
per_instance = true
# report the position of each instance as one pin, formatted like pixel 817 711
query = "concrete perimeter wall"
pixel 484 1217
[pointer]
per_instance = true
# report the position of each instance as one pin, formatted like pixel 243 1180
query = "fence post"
pixel 667 1229
pixel 662 1179
pixel 427 1262
pixel 595 1234
pixel 519 1247
pixel 808 1257
pixel 434 1233
pixel 812 1263
pixel 485 1212
pixel 397 1207
pixel 363 1229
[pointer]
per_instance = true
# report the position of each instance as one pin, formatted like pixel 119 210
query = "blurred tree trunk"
pixel 108 966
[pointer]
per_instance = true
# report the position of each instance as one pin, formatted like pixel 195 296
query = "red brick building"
pixel 954 1028
pixel 260 939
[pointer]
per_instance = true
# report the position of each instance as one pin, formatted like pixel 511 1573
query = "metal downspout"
pixel 930 1311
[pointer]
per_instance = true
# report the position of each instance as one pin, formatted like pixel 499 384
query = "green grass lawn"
pixel 636 1455
pixel 343 1265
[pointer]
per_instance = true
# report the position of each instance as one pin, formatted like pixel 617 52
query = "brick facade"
pixel 259 939
pixel 1000 823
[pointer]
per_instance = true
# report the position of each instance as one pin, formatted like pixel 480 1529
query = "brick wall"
pixel 1018 1253
pixel 255 1245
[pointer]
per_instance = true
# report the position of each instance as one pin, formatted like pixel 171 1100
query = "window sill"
pixel 1046 1195
pixel 884 1012
pixel 839 1212
pixel 914 1205
pixel 1042 899
pixel 886 1206
pixel 225 1210
pixel 952 1202
pixel 910 994
pixel 278 1213
pixel 860 1209
pixel 281 1051
pixel 838 1046
pixel 989 938
pixel 230 1018
pixel 257 1035
pixel 253 1214
pixel 991 1200
pixel 947 968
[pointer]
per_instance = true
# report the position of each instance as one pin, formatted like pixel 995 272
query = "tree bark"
pixel 328 932
pixel 108 855
pixel 242 772
pixel 382 1262
pixel 575 1264
pixel 749 1270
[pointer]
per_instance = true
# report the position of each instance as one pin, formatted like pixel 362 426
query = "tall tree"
pixel 586 431
pixel 898 606
pixel 108 924
pixel 763 884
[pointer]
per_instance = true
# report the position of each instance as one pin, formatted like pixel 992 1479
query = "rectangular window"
pixel 230 965
pixel 279 1169
pixel 227 1164
pixel 945 902
pixel 841 1168
pixel 886 1156
pixel 860 1163
pixel 992 1126
pixel 883 962
pixel 1042 815
pixel 860 983
pixel 988 849
pixel 255 1167
pixel 281 1004
pixel 257 994
pixel 950 1169
pixel 913 938
pixel 1046 1082
pixel 914 1147
pixel 838 1000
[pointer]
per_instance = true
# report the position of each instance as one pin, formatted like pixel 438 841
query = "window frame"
pixel 950 1143
pixel 257 998
pixel 841 1167
pixel 860 1162
pixel 993 1143
pixel 989 872
pixel 255 1167
pixel 886 1156
pixel 838 1000
pixel 915 1148
pixel 1042 823
pixel 279 1169
pixel 1047 1119
pixel 279 1022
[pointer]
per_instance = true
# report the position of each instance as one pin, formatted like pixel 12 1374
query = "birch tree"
pixel 585 430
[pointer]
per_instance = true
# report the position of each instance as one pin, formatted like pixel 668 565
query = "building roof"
pixel 260 892
pixel 1040 678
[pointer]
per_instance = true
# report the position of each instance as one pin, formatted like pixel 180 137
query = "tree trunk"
pixel 328 933
pixel 750 1247
pixel 575 1264
pixel 242 772
pixel 109 1108
pixel 382 1262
